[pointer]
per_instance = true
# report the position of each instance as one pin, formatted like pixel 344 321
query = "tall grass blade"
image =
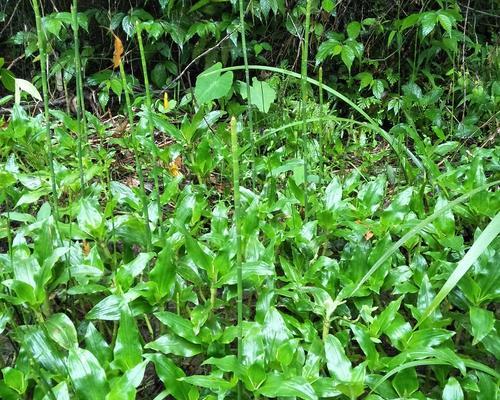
pixel 478 247
pixel 150 126
pixel 80 109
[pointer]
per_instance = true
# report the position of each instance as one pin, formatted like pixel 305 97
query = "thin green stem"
pixel 321 132
pixel 42 45
pixel 303 88
pixel 249 95
pixel 80 109
pixel 138 168
pixel 150 126
pixel 239 250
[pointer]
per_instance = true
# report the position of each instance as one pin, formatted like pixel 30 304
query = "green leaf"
pixel 378 88
pixel 445 22
pixel 365 79
pixel 353 30
pixel 62 331
pixel 328 5
pixel 347 55
pixel 406 382
pixel 96 344
pixel 337 362
pixel 178 325
pixel 108 309
pixel 453 390
pixel 333 194
pixel 210 382
pixel 372 193
pixel 169 374
pixel 479 246
pixel 482 322
pixel 171 344
pixel 330 48
pixel 278 385
pixel 262 95
pixel 128 350
pixel 87 375
pixel 213 86
pixel 428 22
pixel 164 272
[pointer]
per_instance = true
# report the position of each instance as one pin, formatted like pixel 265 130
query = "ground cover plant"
pixel 265 199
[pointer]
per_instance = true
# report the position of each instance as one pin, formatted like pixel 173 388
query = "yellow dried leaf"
pixel 368 235
pixel 85 248
pixel 118 52
pixel 174 168
pixel 165 100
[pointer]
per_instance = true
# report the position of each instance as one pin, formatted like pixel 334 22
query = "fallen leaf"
pixel 117 54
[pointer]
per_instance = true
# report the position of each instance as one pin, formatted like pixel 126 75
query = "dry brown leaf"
pixel 117 54
pixel 174 168
pixel 368 235
pixel 85 248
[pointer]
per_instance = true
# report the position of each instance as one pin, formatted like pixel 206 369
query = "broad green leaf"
pixel 482 322
pixel 15 379
pixel 62 331
pixel 22 85
pixel 180 326
pixel 406 382
pixel 367 345
pixel 394 214
pixel 453 390
pixel 128 350
pixel 370 195
pixel 445 22
pixel 428 22
pixel 278 385
pixel 164 272
pixel 171 344
pixel 210 382
pixel 108 309
pixel 262 94
pixel 213 86
pixel 169 374
pixel 347 54
pixel 333 194
pixel 124 387
pixel 353 30
pixel 328 5
pixel 337 362
pixel 96 344
pixel 87 375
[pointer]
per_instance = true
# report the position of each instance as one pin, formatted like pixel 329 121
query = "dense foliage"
pixel 304 208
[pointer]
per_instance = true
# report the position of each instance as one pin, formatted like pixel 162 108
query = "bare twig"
pixel 171 84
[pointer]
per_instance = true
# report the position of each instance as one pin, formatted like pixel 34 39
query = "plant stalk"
pixel 138 168
pixel 80 109
pixel 239 250
pixel 249 96
pixel 150 126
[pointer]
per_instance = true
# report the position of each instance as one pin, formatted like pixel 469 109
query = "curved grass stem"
pixel 150 127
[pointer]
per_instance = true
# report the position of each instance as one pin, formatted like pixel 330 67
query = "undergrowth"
pixel 319 222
